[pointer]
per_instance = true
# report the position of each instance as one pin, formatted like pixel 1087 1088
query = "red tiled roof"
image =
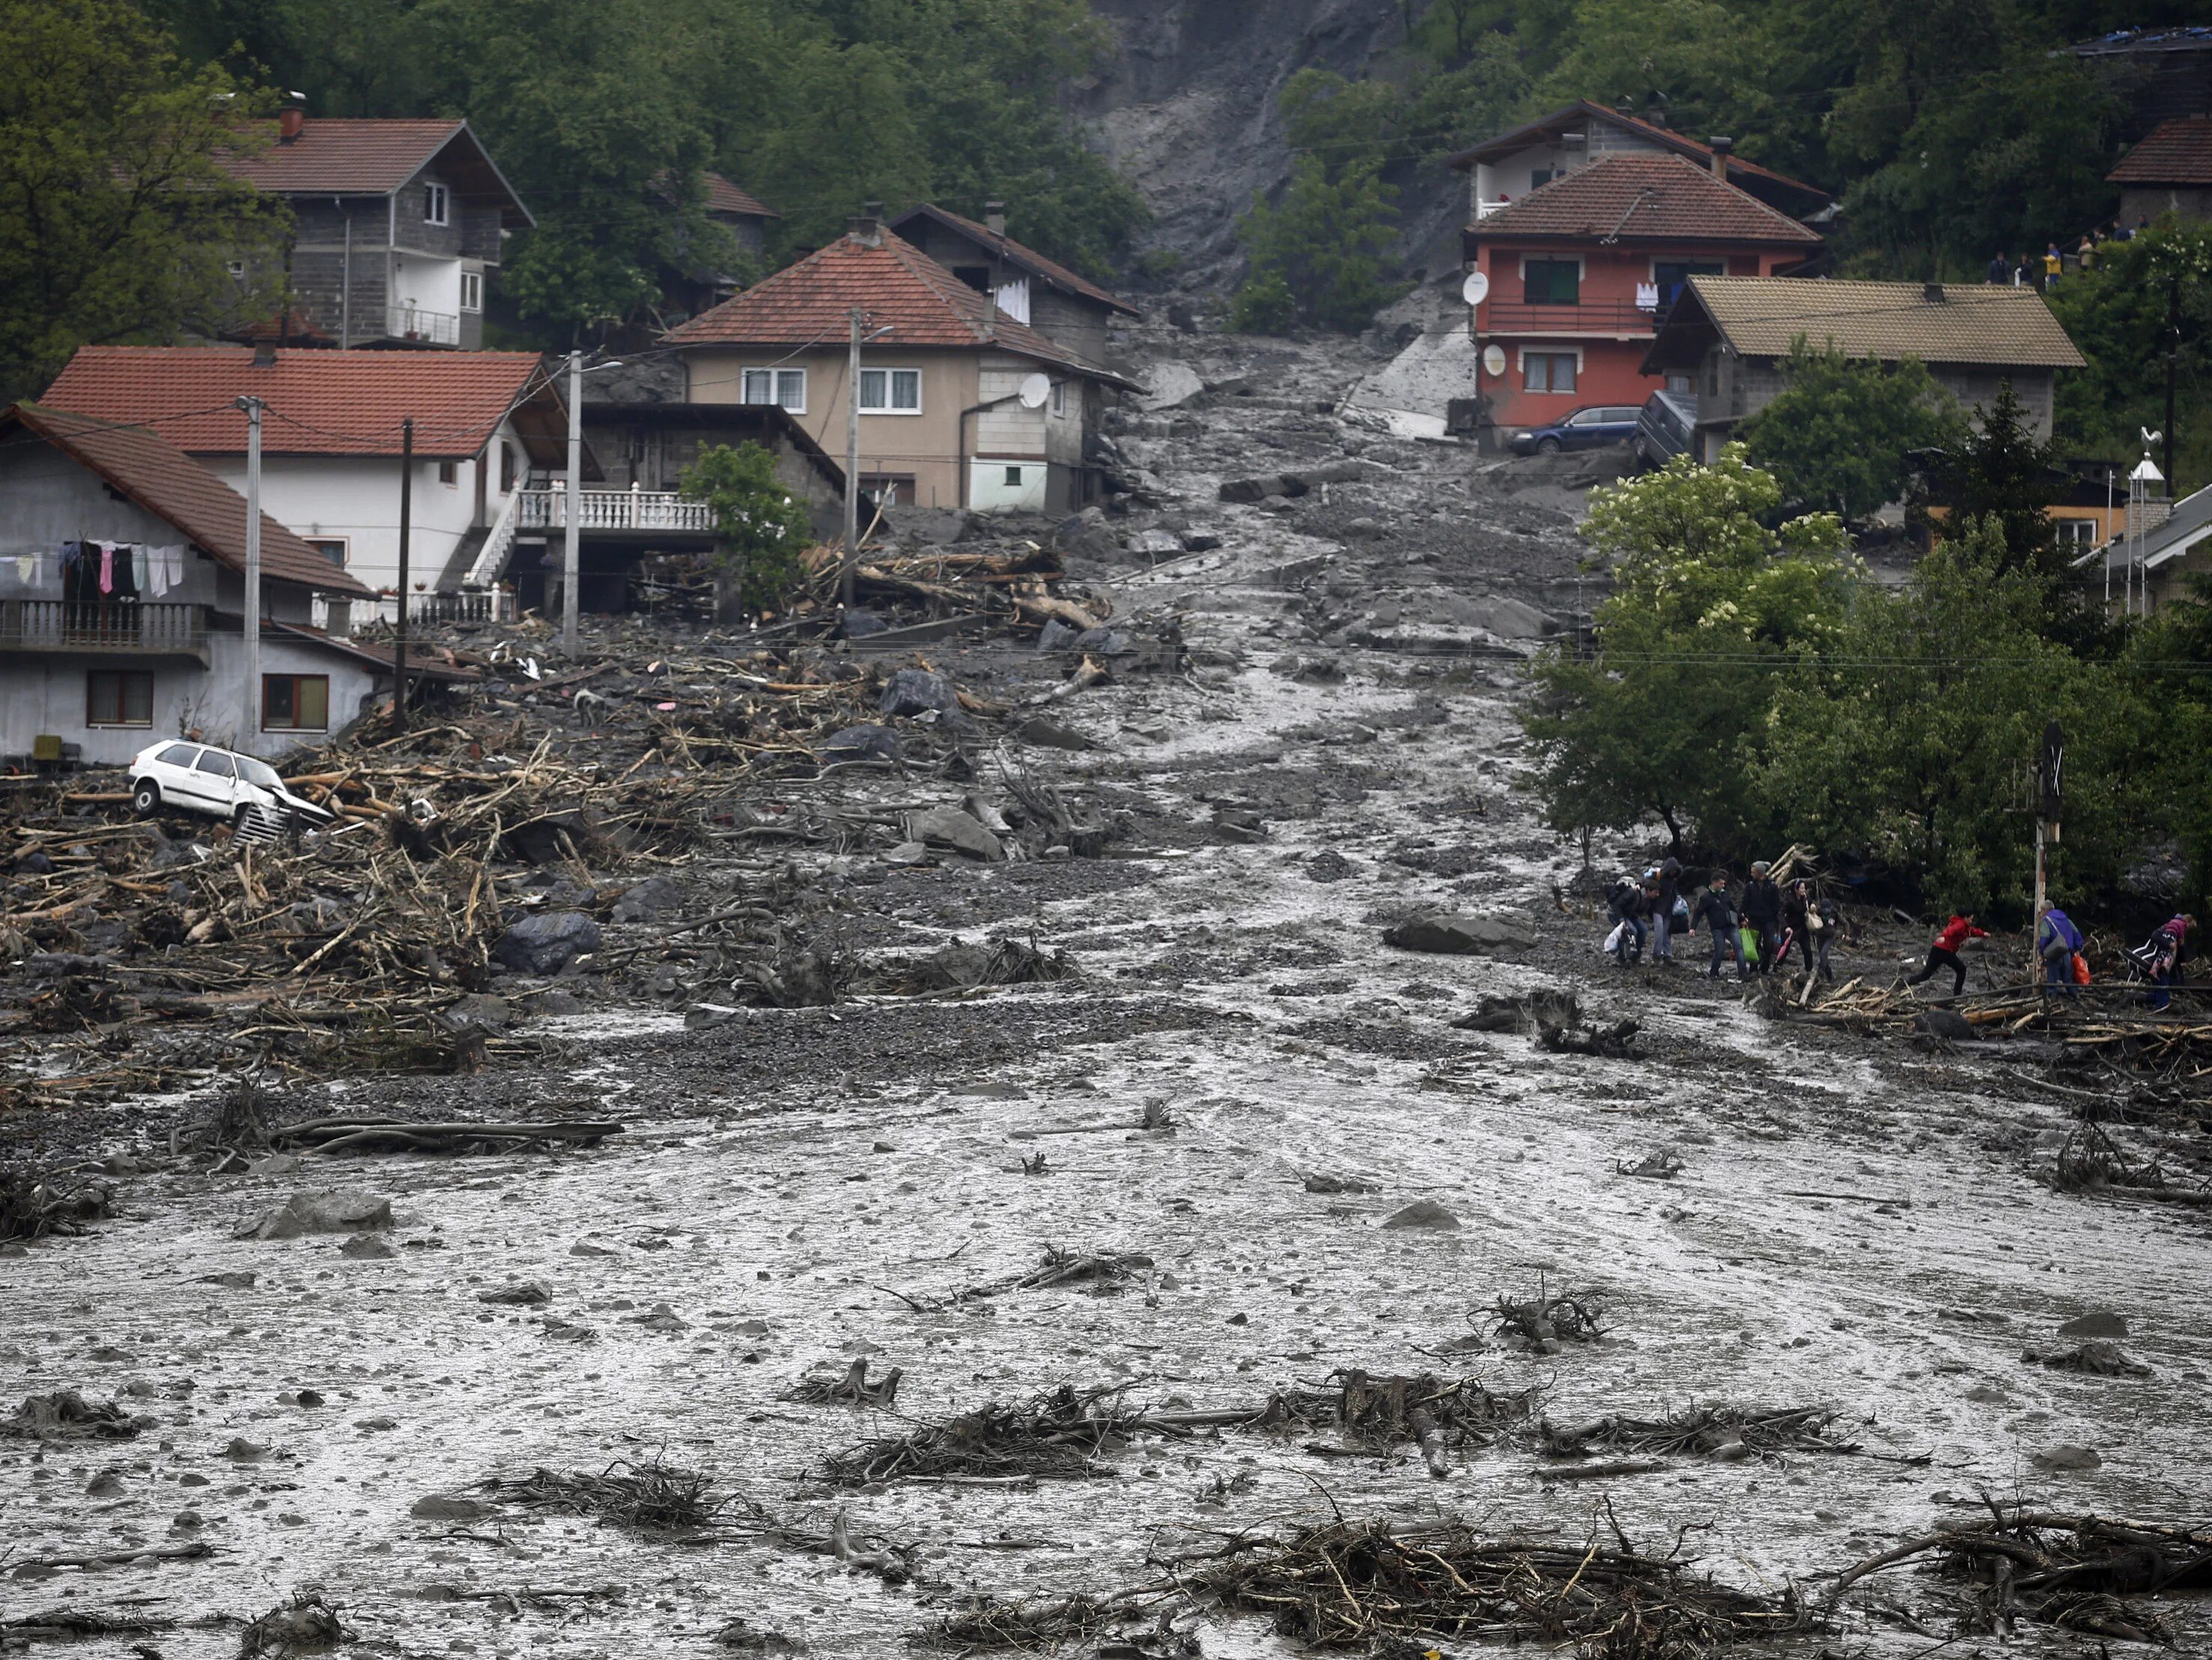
pixel 896 283
pixel 1631 198
pixel 320 403
pixel 371 157
pixel 2176 152
pixel 425 661
pixel 1016 253
pixel 178 490
pixel 723 197
pixel 1584 110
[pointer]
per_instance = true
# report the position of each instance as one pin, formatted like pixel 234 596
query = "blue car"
pixel 1590 428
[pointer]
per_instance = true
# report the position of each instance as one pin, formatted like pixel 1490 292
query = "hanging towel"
pixel 141 570
pixel 71 552
pixel 107 567
pixel 27 568
pixel 176 553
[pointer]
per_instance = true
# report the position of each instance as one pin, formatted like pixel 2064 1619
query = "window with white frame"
pixel 472 290
pixel 1548 371
pixel 891 391
pixel 435 204
pixel 786 388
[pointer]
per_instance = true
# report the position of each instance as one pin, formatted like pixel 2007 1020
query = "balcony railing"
pixel 70 625
pixel 492 604
pixel 617 510
pixel 434 328
pixel 1591 316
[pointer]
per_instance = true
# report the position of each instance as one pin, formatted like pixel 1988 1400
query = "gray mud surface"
pixel 1854 1221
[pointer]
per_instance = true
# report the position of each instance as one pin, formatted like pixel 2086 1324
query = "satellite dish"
pixel 1476 288
pixel 1035 388
pixel 1493 358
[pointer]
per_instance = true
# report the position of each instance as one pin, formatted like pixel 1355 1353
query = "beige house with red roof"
pixel 123 602
pixel 398 226
pixel 961 404
pixel 332 442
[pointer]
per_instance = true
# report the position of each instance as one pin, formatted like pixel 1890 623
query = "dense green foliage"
pixel 760 528
pixel 1838 434
pixel 1748 688
pixel 116 223
pixel 2119 314
pixel 604 112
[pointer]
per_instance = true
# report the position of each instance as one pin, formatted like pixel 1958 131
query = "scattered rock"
pixel 232 1279
pixel 1424 1214
pixel 1170 386
pixel 527 1294
pixel 1043 733
pixel 1453 933
pixel 366 1248
pixel 911 692
pixel 644 901
pixel 245 1452
pixel 1155 544
pixel 1320 1182
pixel 2096 1322
pixel 866 742
pixel 344 1211
pixel 544 943
pixel 440 1507
pixel 2067 1456
pixel 1329 865
pixel 949 827
pixel 2098 1356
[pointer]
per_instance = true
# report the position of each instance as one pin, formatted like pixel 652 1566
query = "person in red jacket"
pixel 1944 953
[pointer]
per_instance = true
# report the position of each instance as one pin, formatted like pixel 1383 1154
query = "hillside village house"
pixel 942 417
pixel 2174 550
pixel 693 285
pixel 2170 171
pixel 1727 335
pixel 1581 268
pixel 397 227
pixel 332 442
pixel 1055 302
pixel 123 603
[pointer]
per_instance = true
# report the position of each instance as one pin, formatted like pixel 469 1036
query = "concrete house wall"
pixel 355 257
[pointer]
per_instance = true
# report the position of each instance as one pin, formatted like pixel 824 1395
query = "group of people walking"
pixel 1757 930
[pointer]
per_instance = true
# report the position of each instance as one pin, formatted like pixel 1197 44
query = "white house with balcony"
pixel 123 604
pixel 334 435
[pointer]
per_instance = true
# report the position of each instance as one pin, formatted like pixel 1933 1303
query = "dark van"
pixel 1667 427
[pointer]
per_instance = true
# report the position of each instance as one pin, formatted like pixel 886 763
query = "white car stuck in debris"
pixel 221 783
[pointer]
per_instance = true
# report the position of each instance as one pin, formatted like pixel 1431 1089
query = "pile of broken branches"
pixel 1434 1414
pixel 1055 1435
pixel 655 1497
pixel 1721 1432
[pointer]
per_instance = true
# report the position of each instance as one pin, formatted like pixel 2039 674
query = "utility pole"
pixel 570 559
pixel 2172 362
pixel 2050 800
pixel 406 519
pixel 852 465
pixel 252 406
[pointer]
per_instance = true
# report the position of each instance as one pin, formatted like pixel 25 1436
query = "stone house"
pixel 1728 336
pixel 2170 171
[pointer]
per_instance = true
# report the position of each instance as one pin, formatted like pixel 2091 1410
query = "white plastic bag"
pixel 1613 939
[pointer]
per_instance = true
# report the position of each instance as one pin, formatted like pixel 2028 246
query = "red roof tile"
pixel 1016 253
pixel 1631 198
pixel 178 490
pixel 1584 110
pixel 320 403
pixel 897 284
pixel 2176 152
pixel 366 157
pixel 723 197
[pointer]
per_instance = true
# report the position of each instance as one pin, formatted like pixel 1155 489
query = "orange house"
pixel 1580 269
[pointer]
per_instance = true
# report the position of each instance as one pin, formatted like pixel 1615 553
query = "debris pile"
pixel 1055 1435
pixel 655 1498
pixel 1721 1433
pixel 1436 1414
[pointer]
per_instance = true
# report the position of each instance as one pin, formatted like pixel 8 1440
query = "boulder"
pixel 2097 1322
pixel 1199 541
pixel 1169 386
pixel 546 942
pixel 1424 1214
pixel 862 743
pixel 347 1210
pixel 646 900
pixel 910 692
pixel 1511 619
pixel 1084 536
pixel 1103 641
pixel 1044 733
pixel 1249 491
pixel 949 827
pixel 1057 635
pixel 859 623
pixel 1155 544
pixel 441 1507
pixel 2067 1456
pixel 1451 934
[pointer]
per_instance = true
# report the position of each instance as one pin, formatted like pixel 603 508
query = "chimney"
pixel 292 120
pixel 1932 293
pixel 994 217
pixel 1722 149
pixel 264 354
pixel 1655 111
pixel 866 227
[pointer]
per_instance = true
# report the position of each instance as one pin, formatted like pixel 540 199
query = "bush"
pixel 762 527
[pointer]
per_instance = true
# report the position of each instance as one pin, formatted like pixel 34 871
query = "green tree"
pixel 1906 746
pixel 117 217
pixel 2000 476
pixel 761 529
pixel 1323 246
pixel 1710 607
pixel 1839 434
